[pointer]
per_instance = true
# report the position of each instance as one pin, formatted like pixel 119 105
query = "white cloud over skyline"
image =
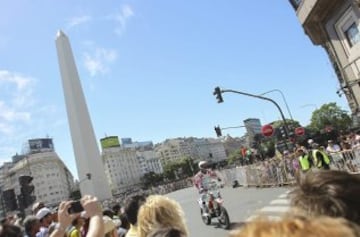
pixel 122 18
pixel 97 62
pixel 78 20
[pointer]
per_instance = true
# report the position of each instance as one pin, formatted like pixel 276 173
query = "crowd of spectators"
pixel 323 203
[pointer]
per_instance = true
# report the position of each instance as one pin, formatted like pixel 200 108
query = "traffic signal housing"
pixel 218 95
pixel 9 199
pixel 218 131
pixel 26 197
pixel 282 131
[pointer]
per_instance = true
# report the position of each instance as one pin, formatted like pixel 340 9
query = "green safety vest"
pixel 304 162
pixel 326 158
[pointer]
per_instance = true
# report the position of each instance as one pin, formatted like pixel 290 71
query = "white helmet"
pixel 203 164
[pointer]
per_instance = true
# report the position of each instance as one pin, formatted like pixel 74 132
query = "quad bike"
pixel 211 204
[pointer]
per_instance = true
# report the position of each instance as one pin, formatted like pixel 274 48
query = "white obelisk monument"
pixel 87 154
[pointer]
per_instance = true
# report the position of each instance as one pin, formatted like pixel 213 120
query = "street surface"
pixel 243 204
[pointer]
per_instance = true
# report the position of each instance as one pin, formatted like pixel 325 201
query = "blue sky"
pixel 148 68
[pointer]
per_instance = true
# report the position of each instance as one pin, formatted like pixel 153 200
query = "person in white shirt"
pixel 332 147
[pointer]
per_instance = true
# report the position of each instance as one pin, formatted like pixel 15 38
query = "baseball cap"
pixel 43 212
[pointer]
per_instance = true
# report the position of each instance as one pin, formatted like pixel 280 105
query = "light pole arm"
pixel 233 127
pixel 283 97
pixel 263 98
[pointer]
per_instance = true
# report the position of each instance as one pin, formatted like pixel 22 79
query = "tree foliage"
pixel 234 156
pixel 151 179
pixel 184 167
pixel 330 115
pixel 291 123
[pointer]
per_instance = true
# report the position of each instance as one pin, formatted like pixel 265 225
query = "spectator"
pixel 160 212
pixel 131 209
pixel 76 225
pixel 31 226
pixel 93 211
pixel 332 147
pixel 45 217
pixel 36 207
pixel 109 213
pixel 166 232
pixel 8 230
pixel 299 227
pixel 332 193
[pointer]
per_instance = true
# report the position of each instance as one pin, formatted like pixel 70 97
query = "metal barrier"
pixel 278 172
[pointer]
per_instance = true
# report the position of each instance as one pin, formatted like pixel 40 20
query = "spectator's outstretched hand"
pixel 91 206
pixel 93 210
pixel 64 217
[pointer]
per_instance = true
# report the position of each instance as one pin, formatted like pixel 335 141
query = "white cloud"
pixel 126 12
pixel 97 62
pixel 75 21
pixel 21 116
pixel 16 99
pixel 21 81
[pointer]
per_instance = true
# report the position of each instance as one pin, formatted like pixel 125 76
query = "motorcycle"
pixel 211 204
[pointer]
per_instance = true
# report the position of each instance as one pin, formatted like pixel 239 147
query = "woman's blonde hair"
pixel 299 227
pixel 160 212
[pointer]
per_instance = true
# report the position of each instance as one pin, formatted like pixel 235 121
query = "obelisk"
pixel 89 164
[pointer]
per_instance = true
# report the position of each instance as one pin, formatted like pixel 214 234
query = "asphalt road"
pixel 241 204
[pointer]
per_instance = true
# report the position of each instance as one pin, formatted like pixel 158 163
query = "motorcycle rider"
pixel 199 179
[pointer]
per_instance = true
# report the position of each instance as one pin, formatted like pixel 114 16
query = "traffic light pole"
pixel 233 127
pixel 268 99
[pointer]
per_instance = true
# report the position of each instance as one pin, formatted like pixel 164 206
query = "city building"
pixel 209 149
pixel 253 127
pixel 52 180
pixel 172 150
pixel 146 145
pixel 122 168
pixel 126 141
pixel 195 148
pixel 334 25
pixel 149 162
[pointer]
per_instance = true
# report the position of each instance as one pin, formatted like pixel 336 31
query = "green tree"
pixel 151 179
pixel 292 124
pixel 330 115
pixel 234 156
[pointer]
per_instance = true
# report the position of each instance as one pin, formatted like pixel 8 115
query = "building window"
pixel 352 34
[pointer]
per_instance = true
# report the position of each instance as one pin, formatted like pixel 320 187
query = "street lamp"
pixel 282 95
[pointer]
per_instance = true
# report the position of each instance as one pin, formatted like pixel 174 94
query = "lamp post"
pixel 283 97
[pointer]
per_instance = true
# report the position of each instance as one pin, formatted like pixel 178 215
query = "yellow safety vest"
pixel 318 163
pixel 304 162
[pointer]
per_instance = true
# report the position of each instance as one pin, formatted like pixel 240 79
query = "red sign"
pixel 299 131
pixel 267 130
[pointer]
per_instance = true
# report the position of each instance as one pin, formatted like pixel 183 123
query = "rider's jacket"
pixel 199 178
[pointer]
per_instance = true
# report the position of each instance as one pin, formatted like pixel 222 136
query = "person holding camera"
pixel 93 211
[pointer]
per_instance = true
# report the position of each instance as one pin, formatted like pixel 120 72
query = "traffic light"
pixel 282 131
pixel 218 131
pixel 26 189
pixel 217 93
pixel 9 199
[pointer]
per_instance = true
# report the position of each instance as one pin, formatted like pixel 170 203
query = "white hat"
pixel 36 206
pixel 310 141
pixel 42 213
pixel 109 224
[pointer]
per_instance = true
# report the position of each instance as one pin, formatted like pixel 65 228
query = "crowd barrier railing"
pixel 283 171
